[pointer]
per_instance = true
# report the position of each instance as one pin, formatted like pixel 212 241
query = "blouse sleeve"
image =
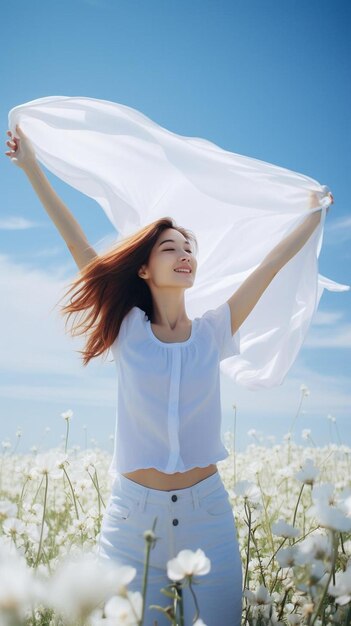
pixel 124 328
pixel 220 321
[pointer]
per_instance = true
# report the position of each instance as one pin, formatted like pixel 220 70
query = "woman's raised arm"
pixel 22 155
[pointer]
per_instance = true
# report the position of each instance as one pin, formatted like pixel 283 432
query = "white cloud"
pixel 101 394
pixel 328 394
pixel 339 337
pixel 326 318
pixel 33 338
pixel 341 224
pixel 16 223
pixel 45 252
pixel 338 231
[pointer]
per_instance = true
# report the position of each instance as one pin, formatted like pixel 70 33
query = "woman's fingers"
pixel 11 143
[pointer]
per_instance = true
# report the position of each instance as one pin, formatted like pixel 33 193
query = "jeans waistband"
pixel 159 496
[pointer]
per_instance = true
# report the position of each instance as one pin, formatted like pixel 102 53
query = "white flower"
pixel 125 611
pixel 62 461
pixel 45 464
pixel 248 490
pixel 33 531
pixel 259 596
pixel 330 517
pixel 345 504
pixel 286 472
pixel 89 460
pixel 188 563
pixel 282 529
pixel 67 415
pixel 317 571
pixel 305 435
pixel 342 588
pixel 324 493
pixel 331 417
pixel 305 390
pixel 286 557
pixel 18 589
pixel 13 527
pixel 316 546
pixel 308 473
pixel 81 583
pixel 294 618
pixel 7 509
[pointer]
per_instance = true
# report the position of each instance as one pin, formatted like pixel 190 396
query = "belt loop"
pixel 195 495
pixel 143 499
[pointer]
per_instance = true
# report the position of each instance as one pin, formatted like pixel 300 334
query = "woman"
pixel 167 439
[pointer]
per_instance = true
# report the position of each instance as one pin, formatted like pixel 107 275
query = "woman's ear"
pixel 141 271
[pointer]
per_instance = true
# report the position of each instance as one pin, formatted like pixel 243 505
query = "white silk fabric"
pixel 238 207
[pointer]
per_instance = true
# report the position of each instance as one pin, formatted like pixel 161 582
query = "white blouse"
pixel 169 406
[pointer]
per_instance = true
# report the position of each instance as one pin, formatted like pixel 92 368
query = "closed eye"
pixel 167 249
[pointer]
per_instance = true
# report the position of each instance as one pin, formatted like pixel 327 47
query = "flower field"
pixel 292 507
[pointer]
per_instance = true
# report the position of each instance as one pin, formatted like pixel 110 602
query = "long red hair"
pixel 109 286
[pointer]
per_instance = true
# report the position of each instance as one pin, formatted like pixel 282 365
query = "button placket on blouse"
pixel 173 411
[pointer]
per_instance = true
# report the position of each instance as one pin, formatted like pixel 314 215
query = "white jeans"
pixel 200 516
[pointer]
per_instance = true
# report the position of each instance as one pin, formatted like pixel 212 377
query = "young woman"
pixel 167 439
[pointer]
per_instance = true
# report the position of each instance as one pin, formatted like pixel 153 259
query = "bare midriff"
pixel 154 479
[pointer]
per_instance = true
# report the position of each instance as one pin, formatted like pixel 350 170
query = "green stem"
pixel 96 487
pixel 145 573
pixel 342 544
pixel 267 522
pixel 35 497
pixel 277 550
pixel 42 521
pixel 67 421
pixel 297 504
pixel 20 503
pixel 16 446
pixel 179 596
pixel 195 601
pixel 283 604
pixel 258 555
pixel 248 514
pixel 72 490
pixel 334 540
pixel 296 414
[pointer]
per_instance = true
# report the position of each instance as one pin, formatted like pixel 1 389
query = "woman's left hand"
pixel 314 201
pixel 332 201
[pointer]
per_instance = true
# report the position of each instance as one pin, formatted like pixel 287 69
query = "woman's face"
pixel 171 250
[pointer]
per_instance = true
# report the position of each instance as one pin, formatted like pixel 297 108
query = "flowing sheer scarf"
pixel 238 207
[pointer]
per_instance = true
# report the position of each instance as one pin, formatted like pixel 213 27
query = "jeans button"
pixel 174 498
pixel 175 522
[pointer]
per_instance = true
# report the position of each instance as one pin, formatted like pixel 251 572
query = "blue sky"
pixel 262 78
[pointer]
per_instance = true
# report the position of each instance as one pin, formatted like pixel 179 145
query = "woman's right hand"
pixel 22 153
